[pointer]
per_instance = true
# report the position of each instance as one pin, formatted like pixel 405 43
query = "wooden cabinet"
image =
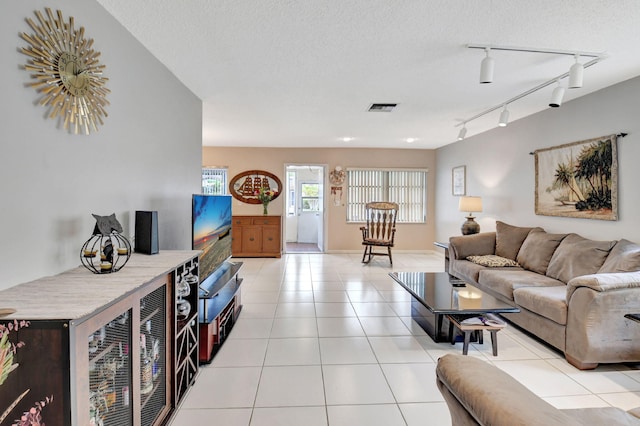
pixel 103 347
pixel 256 236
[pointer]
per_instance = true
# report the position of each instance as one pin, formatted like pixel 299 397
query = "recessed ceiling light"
pixel 346 139
pixel 411 140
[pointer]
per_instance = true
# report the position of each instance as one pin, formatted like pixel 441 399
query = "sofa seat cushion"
pixel 549 302
pixel 576 256
pixel 509 239
pixel 537 249
pixel 505 281
pixel 465 270
pixel 624 257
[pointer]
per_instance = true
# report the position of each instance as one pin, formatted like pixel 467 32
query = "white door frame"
pixel 322 241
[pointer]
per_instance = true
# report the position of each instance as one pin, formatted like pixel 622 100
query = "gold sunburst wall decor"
pixel 67 72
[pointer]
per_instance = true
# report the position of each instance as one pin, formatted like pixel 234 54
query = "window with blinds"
pixel 407 187
pixel 214 181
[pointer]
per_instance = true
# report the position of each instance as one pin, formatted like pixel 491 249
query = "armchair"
pixel 479 393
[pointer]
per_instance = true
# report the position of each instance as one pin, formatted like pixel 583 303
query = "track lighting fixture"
pixel 463 132
pixel 576 73
pixel 504 117
pixel 486 68
pixel 556 96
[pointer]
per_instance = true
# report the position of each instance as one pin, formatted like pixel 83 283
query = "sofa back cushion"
pixel 624 257
pixel 509 239
pixel 576 256
pixel 537 249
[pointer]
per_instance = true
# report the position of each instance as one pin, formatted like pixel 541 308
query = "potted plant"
pixel 265 196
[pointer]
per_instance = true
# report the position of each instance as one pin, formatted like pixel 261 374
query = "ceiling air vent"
pixel 382 107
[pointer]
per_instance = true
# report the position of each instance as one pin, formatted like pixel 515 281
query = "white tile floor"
pixel 323 339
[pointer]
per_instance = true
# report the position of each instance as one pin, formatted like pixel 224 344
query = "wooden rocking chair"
pixel 380 229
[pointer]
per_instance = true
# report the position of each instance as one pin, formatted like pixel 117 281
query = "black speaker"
pixel 146 236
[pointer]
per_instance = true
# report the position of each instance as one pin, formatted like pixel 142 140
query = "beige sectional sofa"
pixel 572 292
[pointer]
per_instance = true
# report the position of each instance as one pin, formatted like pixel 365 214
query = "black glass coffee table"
pixel 437 294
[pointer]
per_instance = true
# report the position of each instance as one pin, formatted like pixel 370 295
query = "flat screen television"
pixel 211 232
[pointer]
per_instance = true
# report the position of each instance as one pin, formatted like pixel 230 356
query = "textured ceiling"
pixel 302 73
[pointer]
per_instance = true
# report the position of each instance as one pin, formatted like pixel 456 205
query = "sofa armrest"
pixel 477 392
pixel 597 330
pixel 472 245
pixel 604 282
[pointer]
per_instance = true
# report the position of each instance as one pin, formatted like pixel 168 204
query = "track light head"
pixel 576 73
pixel 556 96
pixel 504 117
pixel 486 68
pixel 462 133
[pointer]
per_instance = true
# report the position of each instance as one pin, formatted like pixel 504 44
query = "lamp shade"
pixel 470 204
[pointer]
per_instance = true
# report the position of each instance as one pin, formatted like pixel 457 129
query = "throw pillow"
pixel 537 249
pixel 509 238
pixel 492 261
pixel 624 257
pixel 576 256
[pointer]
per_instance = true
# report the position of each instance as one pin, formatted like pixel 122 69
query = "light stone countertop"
pixel 78 292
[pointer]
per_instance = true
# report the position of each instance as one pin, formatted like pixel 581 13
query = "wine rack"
pixel 186 326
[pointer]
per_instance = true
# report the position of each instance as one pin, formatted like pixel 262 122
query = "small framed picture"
pixel 459 180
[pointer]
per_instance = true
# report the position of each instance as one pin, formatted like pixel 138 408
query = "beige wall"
pixel 340 235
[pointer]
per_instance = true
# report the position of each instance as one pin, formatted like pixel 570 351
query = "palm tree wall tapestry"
pixel 578 179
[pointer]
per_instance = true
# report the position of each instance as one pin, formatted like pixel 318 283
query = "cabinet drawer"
pixel 266 220
pixel 242 220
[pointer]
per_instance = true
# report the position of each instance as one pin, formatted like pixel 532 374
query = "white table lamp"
pixel 470 205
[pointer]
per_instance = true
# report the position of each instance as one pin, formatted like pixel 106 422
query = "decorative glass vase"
pixel 264 208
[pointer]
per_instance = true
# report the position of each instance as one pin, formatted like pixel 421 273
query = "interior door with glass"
pixel 309 212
